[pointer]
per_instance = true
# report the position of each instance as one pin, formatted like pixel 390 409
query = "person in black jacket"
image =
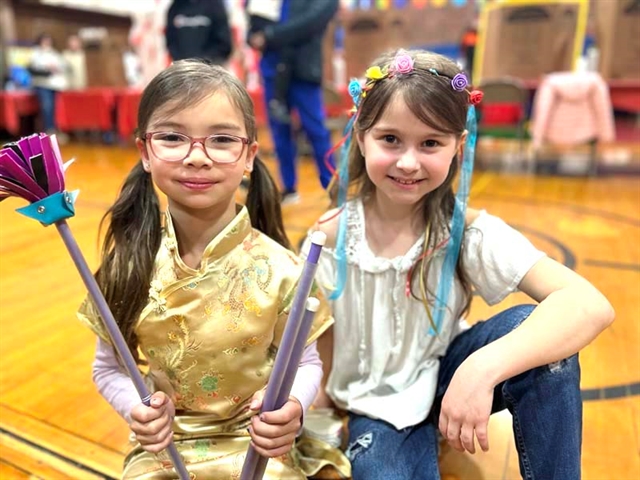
pixel 198 29
pixel 296 38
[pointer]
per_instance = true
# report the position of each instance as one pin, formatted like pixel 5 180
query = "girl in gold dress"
pixel 201 293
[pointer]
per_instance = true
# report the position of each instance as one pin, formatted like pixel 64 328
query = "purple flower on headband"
pixel 403 63
pixel 459 82
pixel 355 89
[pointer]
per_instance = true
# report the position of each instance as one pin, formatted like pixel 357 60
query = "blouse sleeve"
pixel 496 257
pixel 308 378
pixel 112 382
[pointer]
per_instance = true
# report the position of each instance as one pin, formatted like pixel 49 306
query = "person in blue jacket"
pixel 298 33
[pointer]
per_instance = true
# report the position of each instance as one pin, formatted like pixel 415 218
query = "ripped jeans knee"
pixel 359 445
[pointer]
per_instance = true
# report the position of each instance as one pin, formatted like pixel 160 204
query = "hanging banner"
pixel 419 3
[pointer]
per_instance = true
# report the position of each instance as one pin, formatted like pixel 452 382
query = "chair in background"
pixel 503 109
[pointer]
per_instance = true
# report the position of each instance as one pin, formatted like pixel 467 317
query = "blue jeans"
pixel 306 99
pixel 47 100
pixel 545 403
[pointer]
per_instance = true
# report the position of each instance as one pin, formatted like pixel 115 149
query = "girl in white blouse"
pixel 404 257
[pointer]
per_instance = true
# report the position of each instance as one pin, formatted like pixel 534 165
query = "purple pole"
pixel 114 332
pixel 283 358
pixel 307 320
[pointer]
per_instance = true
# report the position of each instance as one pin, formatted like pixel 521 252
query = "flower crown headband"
pixel 403 64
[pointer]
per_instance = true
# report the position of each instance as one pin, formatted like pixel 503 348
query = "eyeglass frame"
pixel 245 141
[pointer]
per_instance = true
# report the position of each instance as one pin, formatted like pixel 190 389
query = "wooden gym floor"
pixel 54 425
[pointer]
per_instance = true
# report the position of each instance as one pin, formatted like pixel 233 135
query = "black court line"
pixel 568 257
pixel 64 458
pixel 20 469
pixel 613 265
pixel 608 393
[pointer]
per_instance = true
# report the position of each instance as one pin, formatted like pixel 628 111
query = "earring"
pixel 246 175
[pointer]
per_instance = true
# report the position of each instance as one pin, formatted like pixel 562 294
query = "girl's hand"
pixel 466 407
pixel 152 425
pixel 273 433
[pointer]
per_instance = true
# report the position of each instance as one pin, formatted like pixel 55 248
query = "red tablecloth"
pixel 128 100
pixel 13 106
pixel 127 116
pixel 625 95
pixel 90 109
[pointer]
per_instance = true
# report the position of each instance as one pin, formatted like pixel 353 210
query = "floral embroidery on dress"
pixel 233 399
pixel 202 448
pixel 253 341
pixel 171 358
pixel 157 300
pixel 241 285
pixel 247 245
pixel 210 383
pixel 231 351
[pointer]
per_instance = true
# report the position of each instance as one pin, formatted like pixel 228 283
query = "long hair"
pixel 134 231
pixel 431 98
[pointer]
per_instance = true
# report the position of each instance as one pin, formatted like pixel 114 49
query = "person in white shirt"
pixel 75 59
pixel 48 76
pixel 404 255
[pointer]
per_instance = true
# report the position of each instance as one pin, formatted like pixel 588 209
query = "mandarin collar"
pixel 230 237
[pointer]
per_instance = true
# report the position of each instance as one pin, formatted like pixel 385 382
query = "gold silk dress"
pixel 210 336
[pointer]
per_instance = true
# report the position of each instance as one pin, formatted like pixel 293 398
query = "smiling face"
pixel 405 158
pixel 197 182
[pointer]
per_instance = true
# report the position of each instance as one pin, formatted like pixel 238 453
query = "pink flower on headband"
pixel 403 63
pixel 475 97
pixel 459 82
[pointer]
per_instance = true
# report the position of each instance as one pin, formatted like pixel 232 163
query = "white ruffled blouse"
pixel 385 363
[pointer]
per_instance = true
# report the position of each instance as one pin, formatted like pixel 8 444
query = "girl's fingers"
pixel 483 436
pixel 272 453
pixel 453 435
pixel 290 412
pixel 268 430
pixel 143 414
pixel 466 438
pixel 271 446
pixel 151 428
pixel 159 440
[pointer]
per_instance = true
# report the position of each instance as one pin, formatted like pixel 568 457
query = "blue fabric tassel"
pixel 343 187
pixel 457 224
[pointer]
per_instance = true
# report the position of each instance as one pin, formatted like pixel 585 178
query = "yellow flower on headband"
pixel 375 73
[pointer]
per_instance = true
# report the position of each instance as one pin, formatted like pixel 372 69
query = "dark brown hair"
pixel 134 231
pixel 429 95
